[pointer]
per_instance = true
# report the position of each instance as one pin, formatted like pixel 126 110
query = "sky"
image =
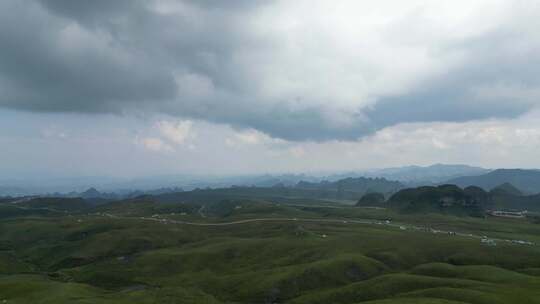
pixel 141 87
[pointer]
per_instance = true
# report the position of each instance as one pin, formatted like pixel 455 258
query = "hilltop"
pixel 471 200
pixel 527 181
pixel 506 189
pixel 444 198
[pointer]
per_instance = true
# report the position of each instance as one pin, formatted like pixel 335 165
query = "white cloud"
pixel 251 137
pixel 298 70
pixel 344 85
pixel 176 132
pixel 218 149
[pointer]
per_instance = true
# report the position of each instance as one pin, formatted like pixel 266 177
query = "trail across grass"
pixel 401 226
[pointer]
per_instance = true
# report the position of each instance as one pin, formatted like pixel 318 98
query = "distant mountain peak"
pixel 435 173
pixel 91 193
pixel 527 181
pixel 507 188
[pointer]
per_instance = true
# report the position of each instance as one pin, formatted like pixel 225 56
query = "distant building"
pixel 488 242
pixel 511 214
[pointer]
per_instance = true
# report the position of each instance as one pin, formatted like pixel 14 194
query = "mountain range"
pixel 434 174
pixel 526 181
pixel 471 200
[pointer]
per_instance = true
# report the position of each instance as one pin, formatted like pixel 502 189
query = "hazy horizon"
pixel 45 175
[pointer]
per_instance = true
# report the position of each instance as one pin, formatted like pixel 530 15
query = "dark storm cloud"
pixel 92 12
pixel 48 64
pixel 211 60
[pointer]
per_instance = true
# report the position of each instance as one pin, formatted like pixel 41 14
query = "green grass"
pixel 38 289
pixel 88 258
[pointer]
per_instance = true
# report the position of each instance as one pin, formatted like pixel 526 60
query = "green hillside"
pixel 451 199
pixel 446 199
pixel 264 251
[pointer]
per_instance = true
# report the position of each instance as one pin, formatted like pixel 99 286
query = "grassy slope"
pixel 96 259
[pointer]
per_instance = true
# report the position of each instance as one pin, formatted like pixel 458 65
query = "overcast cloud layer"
pixel 142 87
pixel 295 70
